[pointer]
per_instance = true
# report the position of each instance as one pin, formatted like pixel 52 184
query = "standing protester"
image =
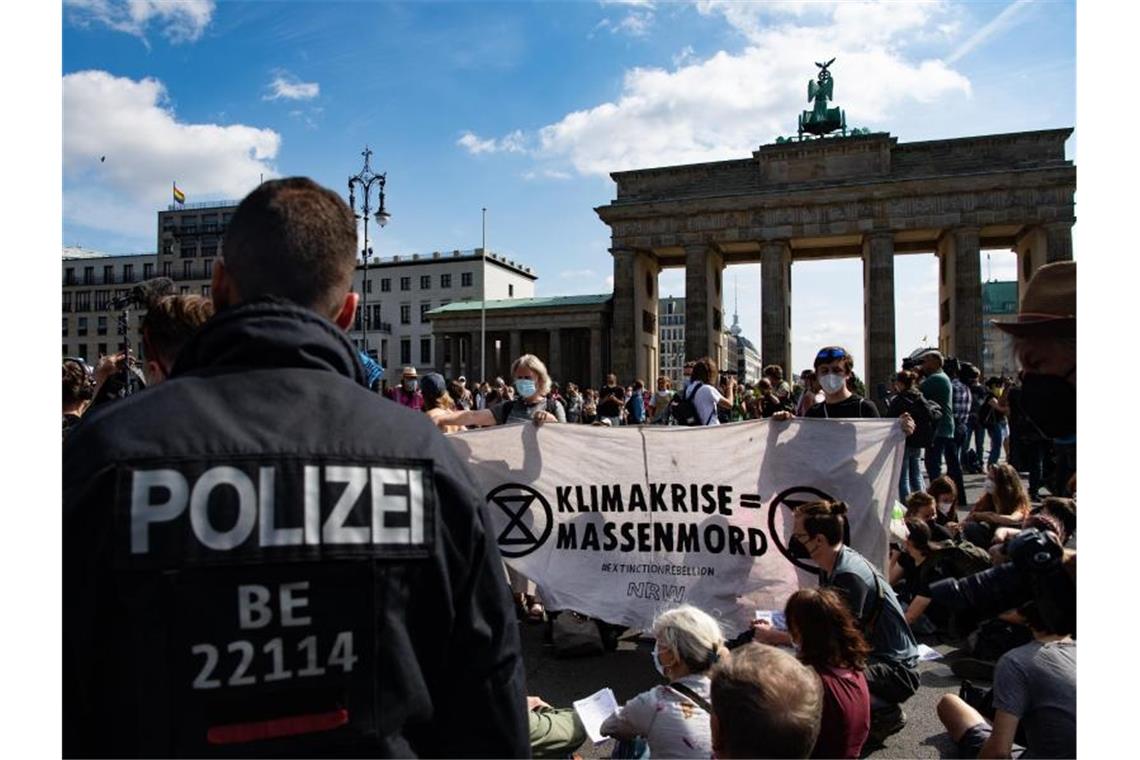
pixel 891 672
pixel 574 403
pixel 812 394
pixel 962 403
pixel 611 399
pixel 975 430
pixel 702 395
pixel 992 418
pixel 936 386
pixel 78 390
pixel 635 407
pixel 407 393
pixel 438 402
pixel 259 558
pixel 532 383
pixel 1028 446
pixel 834 366
pixel 774 374
pixel 659 404
pixel 908 400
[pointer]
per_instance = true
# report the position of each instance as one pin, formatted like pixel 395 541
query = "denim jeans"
pixel 910 479
pixel 996 431
pixel 943 447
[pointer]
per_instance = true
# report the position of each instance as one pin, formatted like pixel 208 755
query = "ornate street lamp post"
pixel 365 180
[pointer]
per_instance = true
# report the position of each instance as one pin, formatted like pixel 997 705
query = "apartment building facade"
pixel 91 282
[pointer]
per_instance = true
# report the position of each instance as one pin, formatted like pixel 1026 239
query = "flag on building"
pixel 179 196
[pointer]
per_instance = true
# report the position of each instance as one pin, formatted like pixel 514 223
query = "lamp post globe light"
pixel 365 181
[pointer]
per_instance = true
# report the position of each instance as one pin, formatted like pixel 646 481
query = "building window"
pixel 167 268
pixel 356 323
pixel 445 281
pixel 187 269
pixel 69 276
pixel 405 351
pixel 424 309
pixel 206 290
pixel 385 285
pixel 148 271
pixel 108 274
pixel 83 351
pixel 464 279
pixel 83 300
pixel 368 286
pixel 65 352
pixel 510 291
pixel 88 275
pixel 128 273
pixel 67 302
pixel 82 327
pixel 375 315
pixel 101 326
pixel 184 290
pixel 405 283
pixel 102 349
pixel 102 299
pixel 208 268
pixel 405 313
pixel 425 282
pixel 65 322
pixel 425 351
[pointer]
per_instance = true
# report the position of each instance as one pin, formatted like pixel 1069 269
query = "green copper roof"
pixel 999 297
pixel 549 302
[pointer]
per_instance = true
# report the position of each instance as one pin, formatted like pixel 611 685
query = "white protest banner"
pixel 621 523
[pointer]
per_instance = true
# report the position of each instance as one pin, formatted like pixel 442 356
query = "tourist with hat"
pixel 407 393
pixel 1045 343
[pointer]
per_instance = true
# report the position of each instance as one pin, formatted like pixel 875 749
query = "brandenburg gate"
pixel 858 195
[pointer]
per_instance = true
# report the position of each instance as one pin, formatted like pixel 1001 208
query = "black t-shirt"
pixel 611 398
pixel 851 407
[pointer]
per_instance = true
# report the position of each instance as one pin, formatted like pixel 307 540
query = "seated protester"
pixel 1035 688
pixel 945 494
pixel 765 704
pixel 926 561
pixel 611 400
pixel 438 403
pixel 674 719
pixel 702 391
pixel 921 506
pixel 554 732
pixel 1054 514
pixel 891 670
pixel 827 639
pixel 1004 504
pixel 532 382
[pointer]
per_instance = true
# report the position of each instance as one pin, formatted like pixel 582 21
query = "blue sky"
pixel 525 109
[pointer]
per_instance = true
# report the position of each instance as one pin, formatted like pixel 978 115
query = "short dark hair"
pixel 170 321
pixel 917 500
pixel 293 239
pixel 824 518
pixel 77 385
pixel 766 703
pixel 774 370
pixel 943 485
pixel 703 369
pixel 906 378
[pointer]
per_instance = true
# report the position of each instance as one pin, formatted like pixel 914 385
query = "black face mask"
pixel 1051 402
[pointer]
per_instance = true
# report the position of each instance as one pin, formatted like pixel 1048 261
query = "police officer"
pixel 263 558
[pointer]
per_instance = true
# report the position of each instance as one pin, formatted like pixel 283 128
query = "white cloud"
pixel 724 106
pixel 180 20
pixel 638 19
pixel 546 174
pixel 1001 23
pixel 288 87
pixel 515 142
pixel 686 56
pixel 146 147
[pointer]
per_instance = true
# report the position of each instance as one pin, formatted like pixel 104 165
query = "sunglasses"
pixel 833 352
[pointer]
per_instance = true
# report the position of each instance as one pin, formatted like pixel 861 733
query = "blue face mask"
pixel 525 388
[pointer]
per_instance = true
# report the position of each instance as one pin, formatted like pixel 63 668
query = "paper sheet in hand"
pixel 926 653
pixel 593 711
pixel 774 617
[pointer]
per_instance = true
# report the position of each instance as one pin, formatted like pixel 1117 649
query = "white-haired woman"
pixel 531 383
pixel 674 718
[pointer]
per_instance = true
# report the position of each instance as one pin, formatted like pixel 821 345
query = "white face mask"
pixel 947 506
pixel 832 383
pixel 657 664
pixel 989 486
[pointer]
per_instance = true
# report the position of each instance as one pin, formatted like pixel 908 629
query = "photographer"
pixel 78 390
pixel 167 326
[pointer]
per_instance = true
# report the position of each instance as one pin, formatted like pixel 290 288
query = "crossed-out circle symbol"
pixel 518 539
pixel 789 499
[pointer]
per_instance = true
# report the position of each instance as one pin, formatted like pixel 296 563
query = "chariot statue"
pixel 822 120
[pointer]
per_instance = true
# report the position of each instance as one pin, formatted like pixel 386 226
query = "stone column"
pixel 439 338
pixel 776 305
pixel 703 307
pixel 1058 241
pixel 554 360
pixel 595 372
pixel 878 312
pixel 515 346
pixel 626 327
pixel 475 357
pixel 960 294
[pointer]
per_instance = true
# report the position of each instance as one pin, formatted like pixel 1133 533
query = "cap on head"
pixel 409 372
pixel 1049 306
pixel 921 353
pixel 433 384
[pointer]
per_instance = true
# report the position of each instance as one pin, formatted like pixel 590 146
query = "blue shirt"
pixel 892 639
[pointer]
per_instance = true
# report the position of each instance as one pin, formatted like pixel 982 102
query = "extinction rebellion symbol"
pixel 787 501
pixel 527 527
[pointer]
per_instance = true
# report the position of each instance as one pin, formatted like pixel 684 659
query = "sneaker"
pixel 885 722
pixel 973 669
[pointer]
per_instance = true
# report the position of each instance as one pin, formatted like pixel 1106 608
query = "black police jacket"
pixel 261 557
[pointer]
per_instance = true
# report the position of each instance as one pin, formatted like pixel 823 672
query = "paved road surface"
pixel 629 671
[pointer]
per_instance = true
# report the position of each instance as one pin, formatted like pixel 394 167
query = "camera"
pixel 1034 573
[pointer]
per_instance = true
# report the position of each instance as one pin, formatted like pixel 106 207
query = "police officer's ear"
pixel 347 313
pixel 222 289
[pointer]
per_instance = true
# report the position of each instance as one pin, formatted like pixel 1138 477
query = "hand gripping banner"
pixel 622 523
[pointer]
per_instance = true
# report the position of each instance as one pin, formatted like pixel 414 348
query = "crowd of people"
pixel 254 404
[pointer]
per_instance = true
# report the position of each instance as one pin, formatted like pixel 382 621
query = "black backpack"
pixel 684 410
pixel 926 415
pixel 960 559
